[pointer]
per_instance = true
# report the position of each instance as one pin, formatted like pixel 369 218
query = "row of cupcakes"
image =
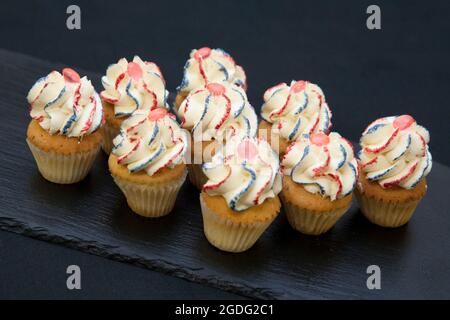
pixel 213 135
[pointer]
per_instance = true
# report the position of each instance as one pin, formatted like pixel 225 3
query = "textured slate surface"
pixel 93 216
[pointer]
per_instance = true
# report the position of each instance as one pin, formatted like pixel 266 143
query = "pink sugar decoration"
pixel 157 114
pixel 202 53
pixel 319 139
pixel 216 89
pixel 298 86
pixel 247 150
pixel 403 122
pixel 134 71
pixel 71 75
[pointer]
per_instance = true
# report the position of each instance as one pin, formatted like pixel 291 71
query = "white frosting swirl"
pixel 207 65
pixel 150 141
pixel 245 172
pixel 65 105
pixel 296 109
pixel 134 85
pixel 323 164
pixel 395 152
pixel 218 111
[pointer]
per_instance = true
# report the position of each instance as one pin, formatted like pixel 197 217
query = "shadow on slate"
pixel 93 216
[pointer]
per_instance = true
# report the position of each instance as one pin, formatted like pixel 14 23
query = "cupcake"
pixel 130 86
pixel 214 113
pixel 146 161
pixel 207 65
pixel 394 161
pixel 239 200
pixel 63 134
pixel 290 111
pixel 320 173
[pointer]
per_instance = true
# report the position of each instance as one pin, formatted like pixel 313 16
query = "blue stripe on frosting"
pixel 241 107
pixel 122 134
pixel 352 167
pixel 69 123
pixel 154 133
pixel 184 82
pixel 382 174
pixel 50 103
pixel 295 129
pixel 143 164
pixel 205 111
pixel 406 148
pixel 223 70
pixel 302 107
pixel 305 153
pixel 344 156
pixel 375 128
pixel 239 195
pixel 127 90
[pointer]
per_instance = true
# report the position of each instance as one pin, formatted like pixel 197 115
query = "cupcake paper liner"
pixel 64 169
pixel 386 214
pixel 230 236
pixel 151 201
pixel 108 132
pixel 311 222
pixel 196 175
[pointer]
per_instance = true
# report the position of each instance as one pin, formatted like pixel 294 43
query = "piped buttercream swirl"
pixel 65 104
pixel 134 85
pixel 394 152
pixel 207 65
pixel 323 164
pixel 218 111
pixel 296 109
pixel 245 172
pixel 150 141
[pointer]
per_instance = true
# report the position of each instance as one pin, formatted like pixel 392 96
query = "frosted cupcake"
pixel 394 161
pixel 147 162
pixel 130 86
pixel 292 110
pixel 63 134
pixel 207 65
pixel 239 200
pixel 320 173
pixel 213 114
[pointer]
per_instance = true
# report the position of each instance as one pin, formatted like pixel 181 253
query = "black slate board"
pixel 93 216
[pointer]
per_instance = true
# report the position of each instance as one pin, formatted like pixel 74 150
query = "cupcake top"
pixel 134 85
pixel 394 152
pixel 218 111
pixel 65 104
pixel 296 109
pixel 245 172
pixel 207 65
pixel 150 141
pixel 323 164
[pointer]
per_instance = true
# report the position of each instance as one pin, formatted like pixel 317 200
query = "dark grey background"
pixel 403 68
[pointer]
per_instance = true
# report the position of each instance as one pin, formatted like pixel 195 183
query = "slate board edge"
pixel 110 252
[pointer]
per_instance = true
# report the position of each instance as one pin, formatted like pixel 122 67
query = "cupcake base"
pixel 235 231
pixel 63 169
pixel 311 213
pixel 311 222
pixel 386 214
pixel 61 159
pixel 150 201
pixel 149 196
pixel 392 207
